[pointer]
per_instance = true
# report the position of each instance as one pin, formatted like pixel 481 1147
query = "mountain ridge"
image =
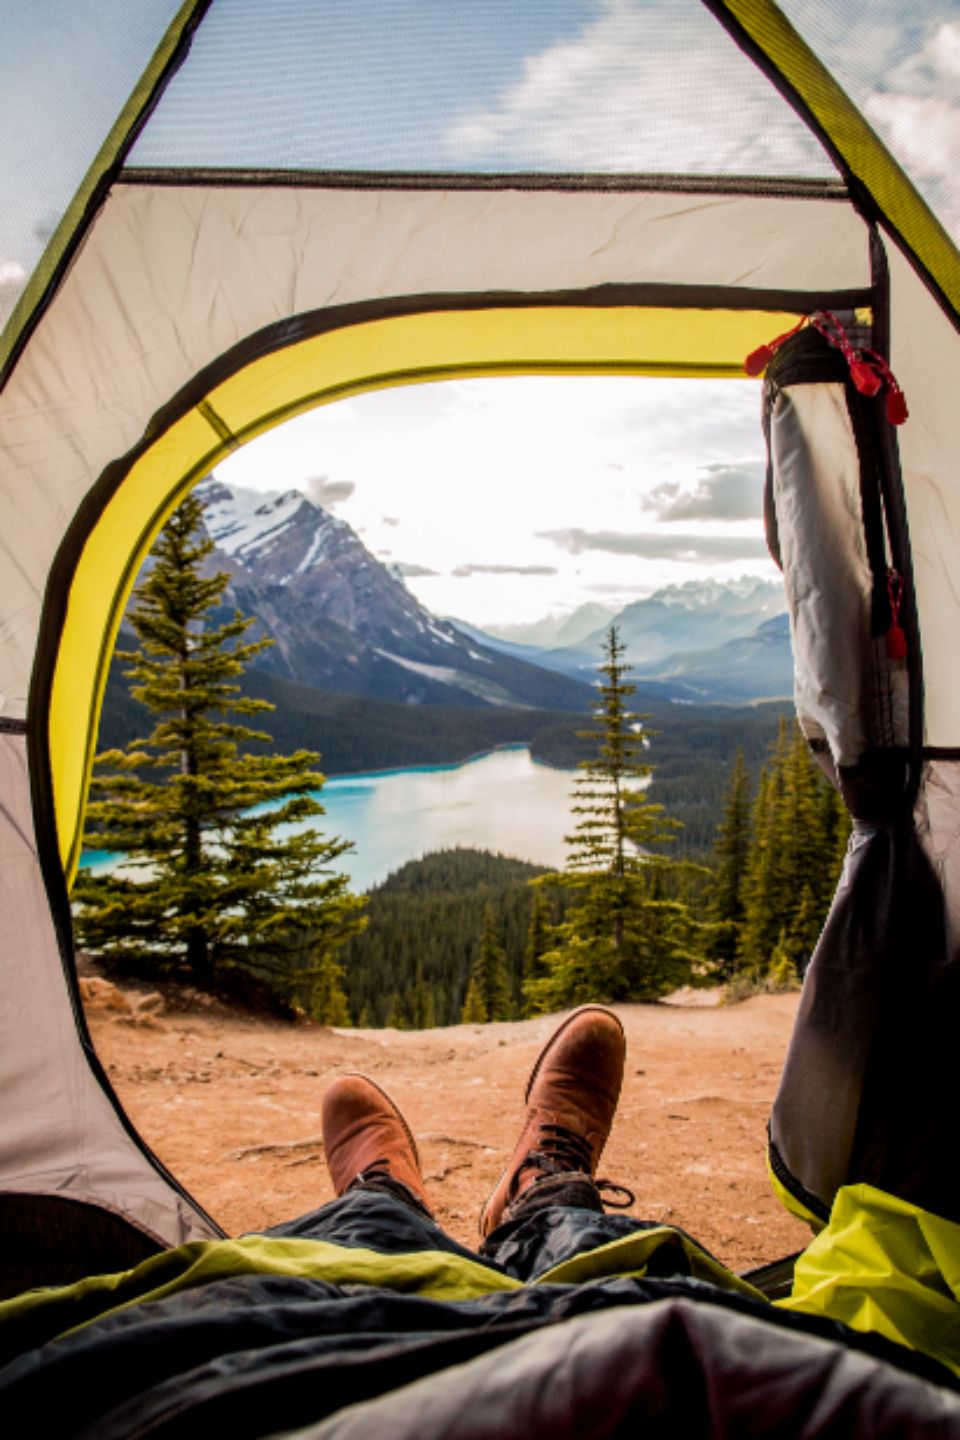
pixel 341 621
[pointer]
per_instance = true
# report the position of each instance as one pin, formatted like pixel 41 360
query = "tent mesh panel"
pixel 549 85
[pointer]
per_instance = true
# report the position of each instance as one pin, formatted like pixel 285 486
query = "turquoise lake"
pixel 502 801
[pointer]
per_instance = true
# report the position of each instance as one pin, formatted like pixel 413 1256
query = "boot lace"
pixel 561 1151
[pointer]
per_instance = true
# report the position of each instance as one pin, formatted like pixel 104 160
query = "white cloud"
pixel 12 275
pixel 648 88
pixel 326 492
pixel 416 572
pixel 458 478
pixel 944 49
pixel 686 547
pixel 923 132
pixel 12 279
pixel 723 492
pixel 463 572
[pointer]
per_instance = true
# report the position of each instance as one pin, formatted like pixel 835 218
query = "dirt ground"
pixel 232 1106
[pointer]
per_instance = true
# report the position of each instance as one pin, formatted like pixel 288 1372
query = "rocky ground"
pixel 232 1106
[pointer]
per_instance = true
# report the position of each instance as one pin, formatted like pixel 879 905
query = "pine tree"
pixel 489 972
pixel 328 1002
pixel 395 1018
pixel 474 1011
pixel 538 943
pixel 422 1008
pixel 799 825
pixel 213 884
pixel 805 927
pixel 782 973
pixel 764 898
pixel 731 856
pixel 623 936
pixel 804 843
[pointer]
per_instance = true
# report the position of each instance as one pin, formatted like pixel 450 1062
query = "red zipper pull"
pixel 758 360
pixel 897 410
pixel 865 378
pixel 896 639
pixel 869 372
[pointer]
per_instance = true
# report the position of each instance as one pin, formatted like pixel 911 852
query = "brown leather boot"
pixel 571 1099
pixel 366 1139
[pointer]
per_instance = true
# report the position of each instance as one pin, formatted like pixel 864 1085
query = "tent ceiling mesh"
pixel 548 85
pixel 571 86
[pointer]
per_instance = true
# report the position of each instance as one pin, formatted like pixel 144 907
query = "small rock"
pixel 99 994
pixel 147 1021
pixel 152 1003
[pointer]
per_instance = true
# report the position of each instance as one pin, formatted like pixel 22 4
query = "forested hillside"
pixel 411 965
pixel 754 911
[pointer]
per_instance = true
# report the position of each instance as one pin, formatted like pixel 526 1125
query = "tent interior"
pixel 225 214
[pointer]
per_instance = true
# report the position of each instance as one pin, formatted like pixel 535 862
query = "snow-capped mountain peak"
pixel 245 524
pixel 708 594
pixel 339 618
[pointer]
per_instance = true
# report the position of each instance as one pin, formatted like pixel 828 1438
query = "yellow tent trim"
pixel 396 350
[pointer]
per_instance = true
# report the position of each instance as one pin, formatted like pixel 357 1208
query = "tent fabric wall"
pixel 60 1135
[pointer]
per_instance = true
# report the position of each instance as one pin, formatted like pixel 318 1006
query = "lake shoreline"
pixel 432 767
pixel 500 799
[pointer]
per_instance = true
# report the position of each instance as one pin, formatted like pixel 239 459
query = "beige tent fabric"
pixel 60 1133
pixel 816 493
pixel 170 277
pixel 925 355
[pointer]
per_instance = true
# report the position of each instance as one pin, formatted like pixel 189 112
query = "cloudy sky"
pixel 504 500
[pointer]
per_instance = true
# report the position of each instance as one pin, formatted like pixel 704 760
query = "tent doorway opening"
pixel 518 516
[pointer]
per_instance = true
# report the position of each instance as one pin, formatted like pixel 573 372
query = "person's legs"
pixel 547 1206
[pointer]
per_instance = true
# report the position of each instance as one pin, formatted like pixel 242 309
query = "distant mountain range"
pixel 345 624
pixel 703 641
pixel 754 666
pixel 553 631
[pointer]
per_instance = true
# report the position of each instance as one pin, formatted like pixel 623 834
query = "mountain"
pixel 696 616
pixel 516 648
pixel 341 621
pixel 554 630
pixel 693 619
pixel 758 666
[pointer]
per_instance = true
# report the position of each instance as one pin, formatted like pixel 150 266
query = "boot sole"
pixel 574 1015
